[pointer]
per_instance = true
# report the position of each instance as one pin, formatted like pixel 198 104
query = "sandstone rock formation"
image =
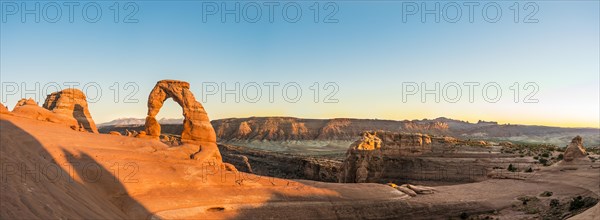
pixel 24 102
pixel 142 134
pixel 3 109
pixel 364 160
pixel 131 133
pixel 71 103
pixel 369 142
pixel 204 153
pixel 197 129
pixel 385 156
pixel 575 149
pixel 28 108
pixel 196 125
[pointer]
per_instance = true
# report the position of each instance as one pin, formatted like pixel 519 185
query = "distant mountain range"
pixel 286 129
pixel 139 121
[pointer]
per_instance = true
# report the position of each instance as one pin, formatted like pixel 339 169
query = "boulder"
pixel 406 191
pixel 165 138
pixel 24 102
pixel 142 134
pixel 575 149
pixel 420 189
pixel 129 133
pixel 115 133
pixel 71 103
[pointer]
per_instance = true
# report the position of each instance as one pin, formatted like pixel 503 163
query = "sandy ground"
pixel 50 171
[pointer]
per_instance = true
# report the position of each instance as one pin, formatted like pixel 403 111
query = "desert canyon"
pixel 58 164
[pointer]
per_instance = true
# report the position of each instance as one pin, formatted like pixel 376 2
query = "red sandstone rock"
pixel 71 103
pixel 575 149
pixel 28 108
pixel 3 109
pixel 196 125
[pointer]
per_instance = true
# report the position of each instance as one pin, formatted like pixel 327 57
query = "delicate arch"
pixel 196 125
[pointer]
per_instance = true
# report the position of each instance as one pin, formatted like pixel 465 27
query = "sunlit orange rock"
pixel 71 103
pixel 67 107
pixel 575 149
pixel 3 109
pixel 196 125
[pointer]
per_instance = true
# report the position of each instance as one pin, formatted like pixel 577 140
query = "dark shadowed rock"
pixel 279 165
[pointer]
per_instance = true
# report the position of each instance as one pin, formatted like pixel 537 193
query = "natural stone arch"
pixel 196 125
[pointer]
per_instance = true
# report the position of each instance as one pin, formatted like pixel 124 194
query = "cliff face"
pixel 287 166
pixel 383 157
pixel 365 160
pixel 287 128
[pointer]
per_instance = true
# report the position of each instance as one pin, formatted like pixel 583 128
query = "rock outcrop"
pixel 575 149
pixel 24 102
pixel 196 125
pixel 364 160
pixel 67 107
pixel 71 103
pixel 385 156
pixel 28 108
pixel 3 109
pixel 279 165
pixel 368 142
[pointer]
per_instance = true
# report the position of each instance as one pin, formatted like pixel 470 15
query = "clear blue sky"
pixel 368 53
